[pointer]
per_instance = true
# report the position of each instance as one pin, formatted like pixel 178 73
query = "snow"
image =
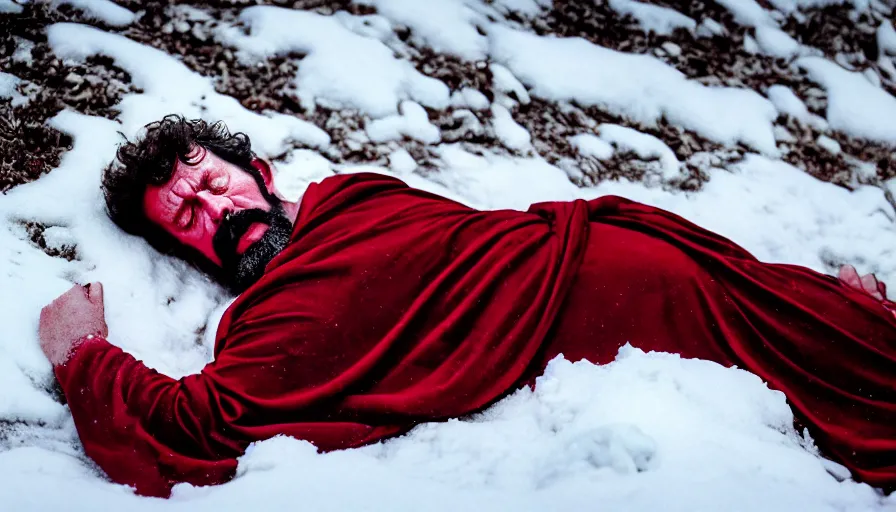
pixel 77 42
pixel 886 38
pixel 8 86
pixel 639 87
pixel 709 28
pixel 469 97
pixel 511 134
pixel 672 49
pixel 525 7
pixel 591 145
pixel 829 144
pixel 769 38
pixel 873 78
pixel 401 162
pixel 504 81
pixel 654 18
pixel 297 170
pixel 341 68
pixel 103 10
pixel 412 122
pixel 12 6
pixel 491 181
pixel 23 50
pixel 789 104
pixel 855 106
pixel 747 12
pixel 811 222
pixel 446 26
pixel 531 444
pixel 888 66
pixel 773 41
pixel 71 200
pixel 564 446
pixel 646 432
pixel 789 6
pixel 169 86
pixel 750 45
pixel 644 145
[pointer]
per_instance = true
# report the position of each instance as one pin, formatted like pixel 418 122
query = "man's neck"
pixel 292 209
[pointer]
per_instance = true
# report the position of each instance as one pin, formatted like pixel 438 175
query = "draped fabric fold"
pixel 392 306
pixel 829 348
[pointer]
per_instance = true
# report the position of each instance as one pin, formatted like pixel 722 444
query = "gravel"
pixel 30 148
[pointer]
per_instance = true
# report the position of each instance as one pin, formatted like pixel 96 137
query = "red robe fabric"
pixel 392 306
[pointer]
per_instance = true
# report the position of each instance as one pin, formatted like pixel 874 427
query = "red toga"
pixel 392 306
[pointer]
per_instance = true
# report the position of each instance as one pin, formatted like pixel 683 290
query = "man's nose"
pixel 215 205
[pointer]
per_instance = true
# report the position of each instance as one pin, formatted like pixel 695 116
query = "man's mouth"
pixel 237 232
pixel 248 240
pixel 252 235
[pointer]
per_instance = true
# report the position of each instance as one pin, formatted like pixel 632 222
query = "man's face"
pixel 217 208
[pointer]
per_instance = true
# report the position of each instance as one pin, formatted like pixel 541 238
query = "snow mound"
pixel 646 432
pixel 855 106
pixel 169 86
pixel 643 433
pixel 103 10
pixel 340 68
pixel 638 87
pixel 654 18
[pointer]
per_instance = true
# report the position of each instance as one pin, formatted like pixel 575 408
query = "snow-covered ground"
pixel 647 432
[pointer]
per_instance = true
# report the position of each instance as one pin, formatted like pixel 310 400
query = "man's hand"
pixel 867 283
pixel 73 315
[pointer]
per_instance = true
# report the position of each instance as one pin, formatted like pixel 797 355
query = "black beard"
pixel 242 270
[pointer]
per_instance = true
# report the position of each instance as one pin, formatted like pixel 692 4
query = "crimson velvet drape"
pixel 392 306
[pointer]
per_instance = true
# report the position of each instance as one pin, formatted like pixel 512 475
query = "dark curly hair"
pixel 150 161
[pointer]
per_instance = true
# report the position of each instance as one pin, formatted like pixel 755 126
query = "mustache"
pixel 233 226
pixel 251 265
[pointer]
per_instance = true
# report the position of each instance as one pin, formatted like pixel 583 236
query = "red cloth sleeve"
pixel 385 310
pixel 143 428
pixel 150 431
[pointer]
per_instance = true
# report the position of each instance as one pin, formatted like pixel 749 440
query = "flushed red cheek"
pixel 200 236
pixel 203 240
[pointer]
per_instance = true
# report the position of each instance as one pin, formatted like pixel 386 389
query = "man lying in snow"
pixel 369 307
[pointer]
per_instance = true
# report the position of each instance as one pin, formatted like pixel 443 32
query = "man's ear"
pixel 266 174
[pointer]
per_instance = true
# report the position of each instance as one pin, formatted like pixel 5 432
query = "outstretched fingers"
pixel 868 283
pixel 850 277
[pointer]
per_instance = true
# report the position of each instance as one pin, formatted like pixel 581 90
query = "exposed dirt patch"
pixel 839 31
pixel 36 231
pixel 551 126
pixel 845 35
pixel 715 55
pixel 29 147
